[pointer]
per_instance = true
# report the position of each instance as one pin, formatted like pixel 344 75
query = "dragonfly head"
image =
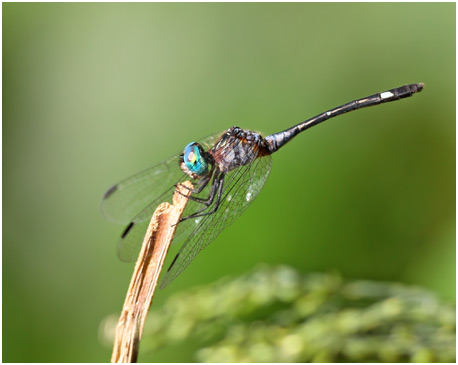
pixel 194 160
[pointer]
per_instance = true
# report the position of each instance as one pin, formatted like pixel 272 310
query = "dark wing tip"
pixel 110 191
pixel 127 230
pixel 167 280
pixel 419 87
pixel 173 262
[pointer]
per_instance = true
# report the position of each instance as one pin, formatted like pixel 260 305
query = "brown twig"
pixel 146 274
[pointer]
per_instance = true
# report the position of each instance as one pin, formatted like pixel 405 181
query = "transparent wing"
pixel 131 240
pixel 140 192
pixel 134 200
pixel 241 186
pixel 125 199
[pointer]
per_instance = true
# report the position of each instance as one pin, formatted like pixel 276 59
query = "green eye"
pixel 194 160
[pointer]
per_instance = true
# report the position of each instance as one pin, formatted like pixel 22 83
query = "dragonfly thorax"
pixel 237 147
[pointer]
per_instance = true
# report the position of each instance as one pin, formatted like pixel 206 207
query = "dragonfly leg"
pixel 208 201
pixel 202 183
pixel 219 183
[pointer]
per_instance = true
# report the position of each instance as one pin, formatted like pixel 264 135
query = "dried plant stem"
pixel 146 274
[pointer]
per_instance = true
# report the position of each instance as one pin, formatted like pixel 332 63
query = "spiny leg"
pixel 219 183
pixel 209 201
pixel 206 201
pixel 202 183
pixel 201 186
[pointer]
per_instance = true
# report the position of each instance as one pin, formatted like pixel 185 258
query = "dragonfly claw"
pixel 179 192
pixel 184 187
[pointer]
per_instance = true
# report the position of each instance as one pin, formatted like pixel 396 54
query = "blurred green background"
pixel 93 93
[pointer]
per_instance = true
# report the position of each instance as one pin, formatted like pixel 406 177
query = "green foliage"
pixel 277 315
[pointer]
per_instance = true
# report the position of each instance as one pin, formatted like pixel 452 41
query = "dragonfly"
pixel 228 170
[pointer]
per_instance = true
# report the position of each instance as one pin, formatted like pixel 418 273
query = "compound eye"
pixel 191 157
pixel 194 159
